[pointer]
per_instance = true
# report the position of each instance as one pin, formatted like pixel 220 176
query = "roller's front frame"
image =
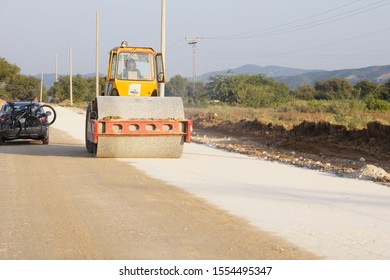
pixel 139 138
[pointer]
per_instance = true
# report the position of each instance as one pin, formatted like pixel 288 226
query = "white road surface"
pixel 336 218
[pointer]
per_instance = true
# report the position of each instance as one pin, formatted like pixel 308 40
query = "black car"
pixel 26 132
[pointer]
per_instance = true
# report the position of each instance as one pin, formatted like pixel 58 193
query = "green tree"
pixel 177 86
pixel 22 87
pixel 305 92
pixel 60 90
pixel 257 96
pixel 82 89
pixel 222 88
pixel 196 93
pixel 190 93
pixel 7 71
pixel 3 93
pixel 385 91
pixel 246 90
pixel 366 88
pixel 279 91
pixel 334 88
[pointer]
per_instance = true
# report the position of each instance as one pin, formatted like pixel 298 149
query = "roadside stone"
pixel 372 172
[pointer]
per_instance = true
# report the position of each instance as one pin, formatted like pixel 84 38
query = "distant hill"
pixel 251 69
pixel 375 74
pixel 295 77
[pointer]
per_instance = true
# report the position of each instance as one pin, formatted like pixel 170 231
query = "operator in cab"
pixel 131 71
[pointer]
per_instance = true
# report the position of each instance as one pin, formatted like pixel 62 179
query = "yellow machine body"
pixel 142 80
pixel 130 119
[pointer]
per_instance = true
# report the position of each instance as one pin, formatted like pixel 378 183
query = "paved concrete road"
pixel 334 217
pixel 337 218
pixel 59 202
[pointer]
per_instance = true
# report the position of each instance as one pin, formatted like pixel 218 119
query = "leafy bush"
pixel 332 89
pixel 250 91
pixel 378 105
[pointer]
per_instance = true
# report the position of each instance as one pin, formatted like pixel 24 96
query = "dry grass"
pixel 353 119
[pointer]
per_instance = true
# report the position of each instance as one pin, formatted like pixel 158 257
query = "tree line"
pixel 259 91
pixel 15 86
pixel 240 90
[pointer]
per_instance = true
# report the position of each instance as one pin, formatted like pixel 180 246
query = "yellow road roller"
pixel 129 119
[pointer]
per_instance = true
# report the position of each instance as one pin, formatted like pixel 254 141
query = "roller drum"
pixel 139 108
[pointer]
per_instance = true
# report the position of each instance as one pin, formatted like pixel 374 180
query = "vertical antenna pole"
pixel 40 96
pixel 70 77
pixel 56 68
pixel 97 53
pixel 163 20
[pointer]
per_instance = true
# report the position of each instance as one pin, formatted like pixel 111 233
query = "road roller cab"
pixel 130 119
pixel 133 71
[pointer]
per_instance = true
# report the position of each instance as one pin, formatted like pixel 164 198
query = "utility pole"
pixel 97 53
pixel 193 42
pixel 163 20
pixel 70 77
pixel 40 96
pixel 56 68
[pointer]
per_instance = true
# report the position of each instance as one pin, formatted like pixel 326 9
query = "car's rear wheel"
pixel 45 140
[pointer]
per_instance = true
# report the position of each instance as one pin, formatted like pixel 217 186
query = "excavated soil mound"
pixel 378 131
pixel 376 136
pixel 318 128
pixel 322 145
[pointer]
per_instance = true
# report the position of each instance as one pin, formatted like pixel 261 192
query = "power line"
pixel 287 23
pixel 218 54
pixel 342 41
pixel 177 48
pixel 174 45
pixel 266 32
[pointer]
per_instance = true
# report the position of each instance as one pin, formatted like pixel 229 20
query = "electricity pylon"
pixel 194 42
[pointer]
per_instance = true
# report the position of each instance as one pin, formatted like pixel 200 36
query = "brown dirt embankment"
pixel 317 145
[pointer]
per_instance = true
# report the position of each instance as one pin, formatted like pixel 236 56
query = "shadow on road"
pixel 35 148
pixel 237 156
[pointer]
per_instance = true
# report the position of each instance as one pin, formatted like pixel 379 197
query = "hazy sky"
pixel 309 34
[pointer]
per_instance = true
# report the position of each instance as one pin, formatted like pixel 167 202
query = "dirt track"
pixel 57 202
